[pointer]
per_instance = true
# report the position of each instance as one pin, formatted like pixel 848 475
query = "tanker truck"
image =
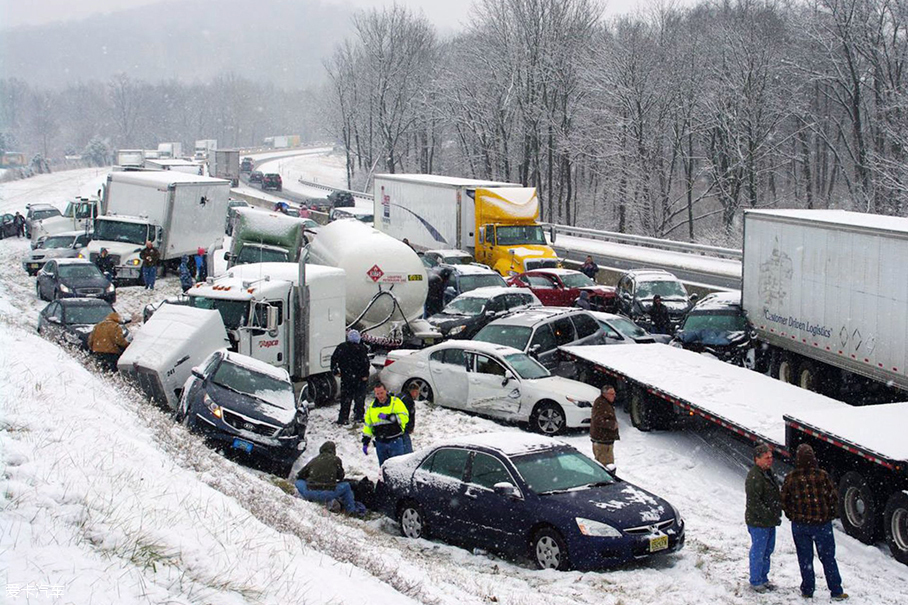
pixel 386 282
pixel 494 221
pixel 287 314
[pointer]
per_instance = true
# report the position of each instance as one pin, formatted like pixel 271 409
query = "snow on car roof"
pixel 471 270
pixel 258 366
pixel 531 316
pixel 448 252
pixel 878 428
pixel 509 444
pixel 554 271
pixel 719 300
pixel 652 275
pixel 490 291
pixel 74 261
pixel 478 345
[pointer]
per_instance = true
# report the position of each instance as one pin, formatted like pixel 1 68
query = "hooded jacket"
pixel 323 472
pixel 603 422
pixel 107 336
pixel 808 493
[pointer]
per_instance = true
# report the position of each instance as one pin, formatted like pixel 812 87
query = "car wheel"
pixel 548 418
pixel 550 550
pixel 896 522
pixel 425 391
pixel 412 521
pixel 858 507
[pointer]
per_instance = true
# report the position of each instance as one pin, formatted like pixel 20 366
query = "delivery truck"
pixel 178 212
pixel 170 150
pixel 131 158
pixel 225 164
pixel 827 294
pixel 79 215
pixel 260 236
pixel 494 221
pixel 204 148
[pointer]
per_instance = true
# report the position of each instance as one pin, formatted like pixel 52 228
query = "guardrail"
pixel 359 194
pixel 650 242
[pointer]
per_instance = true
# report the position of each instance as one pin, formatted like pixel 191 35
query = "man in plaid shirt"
pixel 809 500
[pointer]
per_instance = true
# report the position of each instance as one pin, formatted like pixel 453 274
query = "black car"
pixel 467 314
pixel 71 320
pixel 248 406
pixel 72 278
pixel 247 165
pixel 527 496
pixel 272 180
pixel 256 176
pixel 341 199
pixel 717 326
pixel 8 226
pixel 637 288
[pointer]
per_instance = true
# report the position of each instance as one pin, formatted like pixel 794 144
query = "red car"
pixel 562 288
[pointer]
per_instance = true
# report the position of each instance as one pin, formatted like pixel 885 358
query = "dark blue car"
pixel 248 406
pixel 527 495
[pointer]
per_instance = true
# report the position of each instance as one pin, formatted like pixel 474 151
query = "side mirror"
pixel 507 490
pixel 508 377
pixel 552 233
pixel 126 319
pixel 694 298
pixel 305 400
pixel 271 319
pixel 534 351
pixel 53 320
pixel 197 372
pixel 227 256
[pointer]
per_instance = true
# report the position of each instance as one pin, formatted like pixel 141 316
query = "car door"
pixel 52 326
pixel 46 277
pixel 495 521
pixel 439 488
pixel 543 346
pixel 449 377
pixel 624 295
pixel 563 329
pixel 545 290
pixel 564 296
pixel 489 393
pixel 269 347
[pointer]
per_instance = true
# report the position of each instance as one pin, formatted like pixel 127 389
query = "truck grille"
pixel 93 257
pixel 245 424
pixel 646 529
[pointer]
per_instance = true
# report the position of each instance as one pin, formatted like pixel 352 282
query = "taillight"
pixel 388 361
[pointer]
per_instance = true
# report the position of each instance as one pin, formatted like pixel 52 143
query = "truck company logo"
pixel 797 324
pixel 775 277
pixel 264 344
pixel 375 273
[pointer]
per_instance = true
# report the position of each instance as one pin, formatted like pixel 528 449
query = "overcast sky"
pixel 444 13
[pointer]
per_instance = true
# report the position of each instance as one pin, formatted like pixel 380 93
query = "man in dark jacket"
pixel 350 360
pixel 435 298
pixel 604 427
pixel 658 314
pixel 583 301
pixel 809 500
pixel 150 257
pixel 409 398
pixel 762 514
pixel 322 479
pixel 105 264
pixel 589 268
pixel 19 222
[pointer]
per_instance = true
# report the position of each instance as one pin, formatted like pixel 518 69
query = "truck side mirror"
pixel 271 319
pixel 552 233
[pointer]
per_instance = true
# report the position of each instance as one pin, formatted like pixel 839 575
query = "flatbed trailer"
pixel 864 448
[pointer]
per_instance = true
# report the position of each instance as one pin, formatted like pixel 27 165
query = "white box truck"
pixel 226 165
pixel 170 150
pixel 178 212
pixel 204 148
pixel 494 221
pixel 827 294
pixel 131 158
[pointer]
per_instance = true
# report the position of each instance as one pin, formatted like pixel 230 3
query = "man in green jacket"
pixel 321 480
pixel 385 421
pixel 762 514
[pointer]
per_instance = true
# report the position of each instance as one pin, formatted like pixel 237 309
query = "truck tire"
pixel 895 521
pixel 808 376
pixel 858 508
pixel 640 409
pixel 783 366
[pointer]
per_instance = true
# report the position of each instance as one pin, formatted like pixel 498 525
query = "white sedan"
pixel 491 380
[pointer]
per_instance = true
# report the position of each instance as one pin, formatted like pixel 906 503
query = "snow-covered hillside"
pixel 103 499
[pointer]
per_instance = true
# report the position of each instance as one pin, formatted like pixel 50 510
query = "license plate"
pixel 657 543
pixel 239 444
pixel 34 265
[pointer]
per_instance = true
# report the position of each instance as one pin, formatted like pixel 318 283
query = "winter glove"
pixel 365 449
pixel 383 416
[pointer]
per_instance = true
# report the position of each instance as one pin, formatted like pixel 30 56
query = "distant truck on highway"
pixel 204 148
pixel 826 292
pixel 225 164
pixel 131 158
pixel 177 212
pixel 283 141
pixel 494 221
pixel 170 150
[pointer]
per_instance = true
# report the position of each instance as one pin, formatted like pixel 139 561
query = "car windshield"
pixel 526 366
pixel 255 254
pixel 722 322
pixel 71 271
pixel 59 241
pixel 234 313
pixel 666 289
pixel 471 282
pixel 261 386
pixel 521 234
pixel 465 306
pixel 559 470
pixel 38 215
pixel 457 260
pixel 86 314
pixel 510 336
pixel 627 327
pixel 116 231
pixel 576 280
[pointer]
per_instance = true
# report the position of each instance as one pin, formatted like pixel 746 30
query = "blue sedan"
pixel 519 495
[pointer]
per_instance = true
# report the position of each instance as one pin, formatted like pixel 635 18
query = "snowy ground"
pixel 105 500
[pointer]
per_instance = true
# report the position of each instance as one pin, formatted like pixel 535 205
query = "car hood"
pixel 52 225
pixel 41 254
pixel 710 337
pixel 250 406
pixel 556 385
pixel 675 307
pixel 621 504
pixel 445 321
pixel 600 291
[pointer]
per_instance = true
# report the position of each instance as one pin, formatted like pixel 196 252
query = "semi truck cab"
pixel 124 237
pixel 512 249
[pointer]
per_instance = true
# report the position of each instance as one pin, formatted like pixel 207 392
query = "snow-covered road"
pixel 105 500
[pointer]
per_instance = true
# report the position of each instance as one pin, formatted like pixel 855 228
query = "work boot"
pixel 840 597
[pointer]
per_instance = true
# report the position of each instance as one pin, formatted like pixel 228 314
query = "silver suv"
pixel 539 332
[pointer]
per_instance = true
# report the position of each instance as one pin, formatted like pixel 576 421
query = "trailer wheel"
pixel 858 508
pixel 895 520
pixel 321 388
pixel 808 376
pixel 783 367
pixel 640 409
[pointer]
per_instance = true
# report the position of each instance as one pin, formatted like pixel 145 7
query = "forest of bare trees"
pixel 667 123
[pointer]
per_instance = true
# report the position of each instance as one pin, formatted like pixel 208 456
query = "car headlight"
pixel 456 330
pixel 134 262
pixel 679 520
pixel 65 288
pixel 110 288
pixel 213 407
pixel 81 255
pixel 597 529
pixel 579 402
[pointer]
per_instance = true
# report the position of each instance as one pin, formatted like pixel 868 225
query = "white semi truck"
pixel 177 212
pixel 827 294
pixel 290 315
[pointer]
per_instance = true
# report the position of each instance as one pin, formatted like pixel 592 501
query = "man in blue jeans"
pixel 809 500
pixel 321 480
pixel 762 514
pixel 150 257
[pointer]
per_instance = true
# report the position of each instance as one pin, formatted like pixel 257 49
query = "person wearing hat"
pixel 762 514
pixel 201 265
pixel 104 263
pixel 809 501
pixel 350 361
pixel 658 314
